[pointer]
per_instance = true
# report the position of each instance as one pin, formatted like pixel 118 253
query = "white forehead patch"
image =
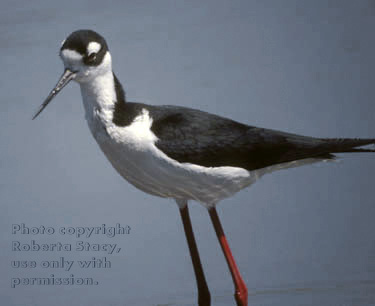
pixel 71 55
pixel 93 47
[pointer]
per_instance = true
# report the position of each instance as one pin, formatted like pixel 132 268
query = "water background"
pixel 304 236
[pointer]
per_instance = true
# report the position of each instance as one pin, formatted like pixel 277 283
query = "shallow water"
pixel 329 294
pixel 302 236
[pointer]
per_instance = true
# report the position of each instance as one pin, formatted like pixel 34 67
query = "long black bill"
pixel 66 77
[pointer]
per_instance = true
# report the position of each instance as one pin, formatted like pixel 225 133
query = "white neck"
pixel 99 97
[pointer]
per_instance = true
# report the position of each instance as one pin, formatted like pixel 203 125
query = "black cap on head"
pixel 80 40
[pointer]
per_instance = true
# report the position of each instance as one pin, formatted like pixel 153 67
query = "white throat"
pixel 99 98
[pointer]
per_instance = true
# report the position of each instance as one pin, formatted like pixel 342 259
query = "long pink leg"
pixel 204 298
pixel 240 287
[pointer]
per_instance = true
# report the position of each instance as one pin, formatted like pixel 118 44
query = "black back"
pixel 197 137
pixel 193 136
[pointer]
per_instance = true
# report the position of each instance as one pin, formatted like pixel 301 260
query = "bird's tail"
pixel 347 145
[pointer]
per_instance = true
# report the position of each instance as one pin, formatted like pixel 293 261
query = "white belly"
pixel 132 153
pixel 153 172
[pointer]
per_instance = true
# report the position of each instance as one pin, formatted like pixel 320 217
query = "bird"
pixel 182 153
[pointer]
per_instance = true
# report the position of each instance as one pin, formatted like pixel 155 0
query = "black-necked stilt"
pixel 182 153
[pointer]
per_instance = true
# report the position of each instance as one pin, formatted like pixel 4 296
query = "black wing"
pixel 197 137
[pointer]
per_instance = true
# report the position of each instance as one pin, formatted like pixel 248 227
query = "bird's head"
pixel 85 56
pixel 85 53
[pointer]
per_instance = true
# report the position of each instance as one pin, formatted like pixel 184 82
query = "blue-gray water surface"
pixel 303 236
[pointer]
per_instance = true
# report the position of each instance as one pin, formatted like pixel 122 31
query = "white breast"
pixel 132 152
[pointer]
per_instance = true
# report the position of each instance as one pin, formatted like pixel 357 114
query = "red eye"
pixel 91 57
